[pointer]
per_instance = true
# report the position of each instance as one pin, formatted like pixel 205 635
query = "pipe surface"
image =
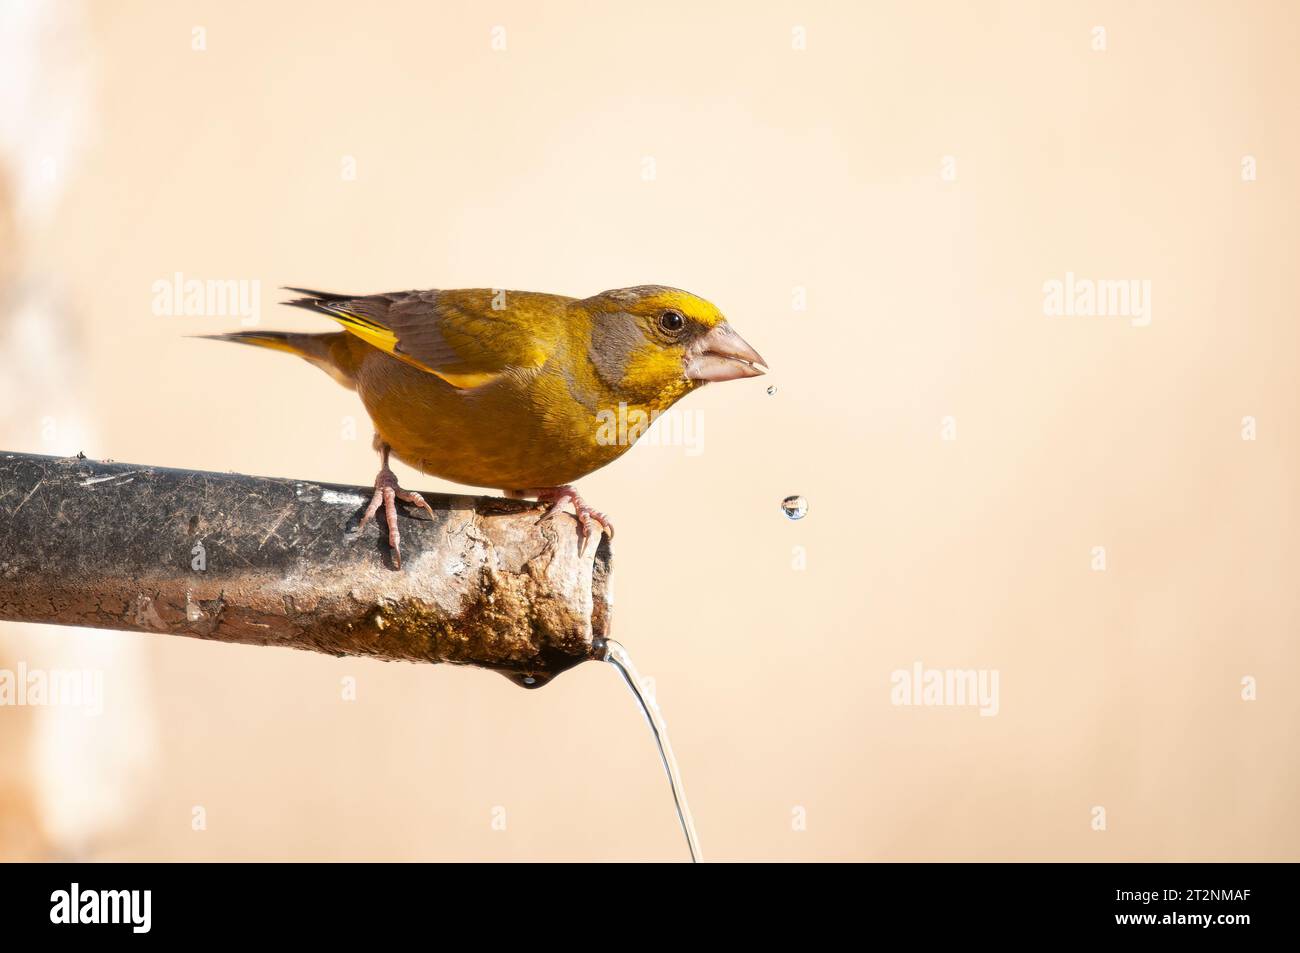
pixel 264 561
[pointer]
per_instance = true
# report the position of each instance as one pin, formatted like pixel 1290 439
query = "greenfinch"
pixel 513 390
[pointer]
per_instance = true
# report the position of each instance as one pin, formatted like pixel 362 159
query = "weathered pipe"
pixel 263 561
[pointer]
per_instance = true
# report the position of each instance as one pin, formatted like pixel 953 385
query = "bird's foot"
pixel 387 492
pixel 554 498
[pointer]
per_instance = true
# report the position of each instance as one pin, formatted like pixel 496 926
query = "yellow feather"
pixel 385 340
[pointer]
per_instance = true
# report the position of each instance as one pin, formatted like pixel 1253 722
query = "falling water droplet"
pixel 771 390
pixel 795 507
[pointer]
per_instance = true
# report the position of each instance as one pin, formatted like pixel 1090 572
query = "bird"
pixel 512 390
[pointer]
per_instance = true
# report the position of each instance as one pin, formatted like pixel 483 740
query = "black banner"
pixel 1172 903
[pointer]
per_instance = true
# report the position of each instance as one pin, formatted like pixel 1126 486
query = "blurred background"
pixel 1099 508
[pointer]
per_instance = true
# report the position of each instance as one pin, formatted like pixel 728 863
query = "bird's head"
pixel 655 344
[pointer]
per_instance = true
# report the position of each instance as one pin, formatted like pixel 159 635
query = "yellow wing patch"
pixel 376 335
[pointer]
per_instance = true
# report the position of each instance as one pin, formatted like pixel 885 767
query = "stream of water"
pixel 617 656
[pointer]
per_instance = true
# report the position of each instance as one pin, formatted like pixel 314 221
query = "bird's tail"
pixel 321 301
pixel 326 351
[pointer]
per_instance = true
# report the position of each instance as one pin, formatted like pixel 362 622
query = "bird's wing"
pixel 455 335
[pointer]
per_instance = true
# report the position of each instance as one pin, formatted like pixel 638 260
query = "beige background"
pixel 776 168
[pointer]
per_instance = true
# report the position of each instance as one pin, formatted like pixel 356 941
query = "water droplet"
pixel 529 680
pixel 795 507
pixel 771 390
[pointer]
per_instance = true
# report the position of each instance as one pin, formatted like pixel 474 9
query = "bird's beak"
pixel 722 355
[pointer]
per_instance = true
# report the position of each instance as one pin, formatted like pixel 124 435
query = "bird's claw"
pixel 554 500
pixel 387 492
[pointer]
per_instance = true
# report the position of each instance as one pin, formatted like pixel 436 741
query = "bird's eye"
pixel 672 321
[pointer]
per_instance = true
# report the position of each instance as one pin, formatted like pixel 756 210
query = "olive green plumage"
pixel 514 390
